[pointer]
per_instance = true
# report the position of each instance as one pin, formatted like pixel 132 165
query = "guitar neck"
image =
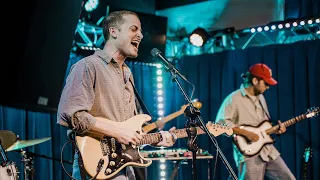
pixel 153 138
pixel 152 126
pixel 182 133
pixel 171 116
pixel 287 123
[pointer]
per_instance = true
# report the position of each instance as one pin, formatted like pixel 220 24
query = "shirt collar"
pixel 104 56
pixel 243 90
pixel 107 58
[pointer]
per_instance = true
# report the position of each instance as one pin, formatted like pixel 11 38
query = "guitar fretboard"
pixel 287 123
pixel 152 138
pixel 182 133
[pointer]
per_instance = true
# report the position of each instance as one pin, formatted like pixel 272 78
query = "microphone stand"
pixel 194 113
pixel 192 135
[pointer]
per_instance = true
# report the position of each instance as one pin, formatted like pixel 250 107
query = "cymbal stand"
pixel 3 156
pixel 28 165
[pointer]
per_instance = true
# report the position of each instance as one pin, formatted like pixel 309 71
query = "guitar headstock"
pixel 312 112
pixel 195 103
pixel 218 129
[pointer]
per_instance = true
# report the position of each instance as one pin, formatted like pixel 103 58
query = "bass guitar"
pixel 103 157
pixel 264 130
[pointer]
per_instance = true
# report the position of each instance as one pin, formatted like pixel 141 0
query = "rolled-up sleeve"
pixel 227 113
pixel 77 98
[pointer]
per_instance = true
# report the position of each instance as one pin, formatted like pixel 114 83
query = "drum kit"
pixel 11 142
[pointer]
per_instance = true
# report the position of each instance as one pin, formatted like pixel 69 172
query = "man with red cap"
pixel 247 106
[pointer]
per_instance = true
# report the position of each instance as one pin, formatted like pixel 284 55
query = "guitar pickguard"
pixel 120 154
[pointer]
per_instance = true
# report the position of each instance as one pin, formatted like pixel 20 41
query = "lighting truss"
pixel 88 36
pixel 282 32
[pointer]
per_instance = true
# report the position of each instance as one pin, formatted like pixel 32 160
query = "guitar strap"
pixel 264 110
pixel 71 136
pixel 81 166
pixel 139 101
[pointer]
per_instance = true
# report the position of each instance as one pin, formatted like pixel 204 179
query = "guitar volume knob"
pixel 114 155
pixel 108 171
pixel 112 163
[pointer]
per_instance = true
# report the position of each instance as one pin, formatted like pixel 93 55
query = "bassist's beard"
pixel 256 91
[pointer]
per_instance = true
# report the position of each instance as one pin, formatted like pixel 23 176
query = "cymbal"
pixel 26 143
pixel 7 138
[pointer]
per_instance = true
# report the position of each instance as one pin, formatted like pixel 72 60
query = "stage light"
pixel 160 112
pixel 199 37
pixel 259 29
pixel 162 166
pixel 160 99
pixel 287 25
pixel 91 5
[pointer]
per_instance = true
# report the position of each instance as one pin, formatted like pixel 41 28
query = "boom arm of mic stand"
pixel 198 117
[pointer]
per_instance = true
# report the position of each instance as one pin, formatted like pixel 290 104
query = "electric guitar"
pixel 103 157
pixel 264 130
pixel 160 123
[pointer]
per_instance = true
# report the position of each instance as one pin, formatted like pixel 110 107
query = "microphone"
pixel 157 54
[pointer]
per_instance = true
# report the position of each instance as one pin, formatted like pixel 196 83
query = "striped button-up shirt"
pixel 96 87
pixel 240 108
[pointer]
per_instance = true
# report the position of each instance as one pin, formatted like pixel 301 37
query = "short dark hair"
pixel 247 78
pixel 114 19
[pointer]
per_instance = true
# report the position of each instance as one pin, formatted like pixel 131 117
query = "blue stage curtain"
pixel 295 66
pixel 29 125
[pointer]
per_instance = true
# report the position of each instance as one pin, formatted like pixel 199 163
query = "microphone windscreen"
pixel 154 52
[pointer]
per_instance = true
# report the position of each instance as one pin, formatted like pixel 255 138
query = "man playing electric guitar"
pixel 101 86
pixel 247 106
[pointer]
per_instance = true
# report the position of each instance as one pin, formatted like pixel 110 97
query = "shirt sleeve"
pixel 227 113
pixel 77 98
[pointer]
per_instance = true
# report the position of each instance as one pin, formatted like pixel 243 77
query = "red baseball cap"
pixel 264 72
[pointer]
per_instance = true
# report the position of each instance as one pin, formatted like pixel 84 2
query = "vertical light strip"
pixel 160 99
pixel 160 107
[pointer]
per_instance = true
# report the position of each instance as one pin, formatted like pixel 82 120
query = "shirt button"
pixel 119 72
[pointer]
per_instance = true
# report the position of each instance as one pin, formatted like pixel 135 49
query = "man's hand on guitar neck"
pixel 282 128
pixel 168 138
pixel 250 136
